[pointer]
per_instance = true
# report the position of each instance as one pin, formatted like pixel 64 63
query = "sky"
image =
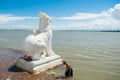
pixel 65 14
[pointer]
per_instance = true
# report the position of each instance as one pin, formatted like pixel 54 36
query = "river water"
pixel 92 55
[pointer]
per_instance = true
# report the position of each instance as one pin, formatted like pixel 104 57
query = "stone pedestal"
pixel 39 65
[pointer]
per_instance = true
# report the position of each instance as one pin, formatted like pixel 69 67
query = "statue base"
pixel 39 65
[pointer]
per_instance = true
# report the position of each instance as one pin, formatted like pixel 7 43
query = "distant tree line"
pixel 110 30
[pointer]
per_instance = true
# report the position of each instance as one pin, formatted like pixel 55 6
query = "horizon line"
pixel 63 30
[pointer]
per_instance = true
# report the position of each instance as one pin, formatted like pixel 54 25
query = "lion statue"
pixel 39 44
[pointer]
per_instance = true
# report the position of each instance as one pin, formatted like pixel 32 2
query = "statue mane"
pixel 44 22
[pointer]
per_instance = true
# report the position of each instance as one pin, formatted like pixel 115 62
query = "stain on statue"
pixel 39 44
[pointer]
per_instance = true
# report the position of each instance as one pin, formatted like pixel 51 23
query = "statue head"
pixel 44 22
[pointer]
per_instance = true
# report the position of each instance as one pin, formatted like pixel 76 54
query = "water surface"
pixel 93 55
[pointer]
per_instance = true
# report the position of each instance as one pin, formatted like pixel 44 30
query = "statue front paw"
pixel 42 57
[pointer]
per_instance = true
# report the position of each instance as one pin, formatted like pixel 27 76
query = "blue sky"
pixel 66 14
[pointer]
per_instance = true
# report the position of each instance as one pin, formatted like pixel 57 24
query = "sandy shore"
pixel 9 72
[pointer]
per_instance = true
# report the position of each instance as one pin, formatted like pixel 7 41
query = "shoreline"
pixel 9 71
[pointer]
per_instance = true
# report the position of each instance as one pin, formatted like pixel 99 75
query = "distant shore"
pixel 64 30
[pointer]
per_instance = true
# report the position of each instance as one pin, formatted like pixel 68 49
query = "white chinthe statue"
pixel 39 45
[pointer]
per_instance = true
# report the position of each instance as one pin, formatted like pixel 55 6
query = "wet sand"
pixel 9 72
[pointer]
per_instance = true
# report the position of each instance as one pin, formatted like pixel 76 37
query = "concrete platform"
pixel 39 65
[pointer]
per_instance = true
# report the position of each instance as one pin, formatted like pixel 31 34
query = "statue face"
pixel 44 21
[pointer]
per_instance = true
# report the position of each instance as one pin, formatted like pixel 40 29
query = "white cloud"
pixel 5 18
pixel 106 20
pixel 97 24
pixel 114 12
pixel 18 27
pixel 23 26
pixel 81 16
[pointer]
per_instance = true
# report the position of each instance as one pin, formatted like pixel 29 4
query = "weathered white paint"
pixel 39 44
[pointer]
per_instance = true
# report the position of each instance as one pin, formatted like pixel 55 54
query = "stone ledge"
pixel 39 65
